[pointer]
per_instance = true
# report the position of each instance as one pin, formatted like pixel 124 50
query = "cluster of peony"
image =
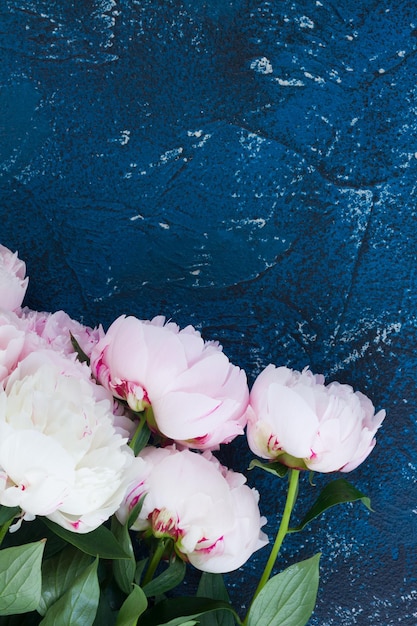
pixel 65 427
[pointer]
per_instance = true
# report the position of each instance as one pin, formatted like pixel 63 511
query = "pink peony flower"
pixel 198 397
pixel 208 511
pixel 13 283
pixel 12 342
pixel 60 453
pixel 56 330
pixel 294 418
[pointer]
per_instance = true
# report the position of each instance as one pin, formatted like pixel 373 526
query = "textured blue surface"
pixel 249 167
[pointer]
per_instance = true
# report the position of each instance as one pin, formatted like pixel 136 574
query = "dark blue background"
pixel 248 167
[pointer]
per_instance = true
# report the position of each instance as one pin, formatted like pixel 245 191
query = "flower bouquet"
pixel 110 487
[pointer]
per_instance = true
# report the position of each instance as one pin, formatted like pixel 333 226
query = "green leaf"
pixel 123 569
pixel 212 586
pixel 176 611
pixel 20 578
pixel 132 608
pixel 336 492
pixel 58 573
pixel 81 355
pixel 141 436
pixel 275 467
pixel 7 513
pixel 106 615
pixel 78 605
pixel 289 598
pixel 29 532
pixel 100 542
pixel 169 579
pixel 140 568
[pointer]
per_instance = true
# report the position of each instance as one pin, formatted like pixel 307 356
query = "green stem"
pixel 138 431
pixel 282 531
pixel 154 562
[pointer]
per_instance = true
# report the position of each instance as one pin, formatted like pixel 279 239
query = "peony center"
pixel 165 524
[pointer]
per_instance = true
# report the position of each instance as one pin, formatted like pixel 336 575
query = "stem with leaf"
pixel 294 475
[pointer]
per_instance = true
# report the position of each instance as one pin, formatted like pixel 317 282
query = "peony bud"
pixel 295 419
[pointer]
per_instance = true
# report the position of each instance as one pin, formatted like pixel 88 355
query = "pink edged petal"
pixel 181 415
pixel 234 547
pixel 360 457
pixel 328 452
pixel 187 416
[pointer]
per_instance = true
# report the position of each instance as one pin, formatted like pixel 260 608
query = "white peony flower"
pixel 209 512
pixel 60 455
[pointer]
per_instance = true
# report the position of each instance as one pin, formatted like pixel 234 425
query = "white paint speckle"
pixel 258 221
pixel 262 66
pixel 123 139
pixel 169 155
pixel 333 74
pixel 293 82
pixel 306 22
pixel 252 143
pixel 317 79
pixel 125 136
pixel 199 135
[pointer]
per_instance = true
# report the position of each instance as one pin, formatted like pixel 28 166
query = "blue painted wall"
pixel 249 167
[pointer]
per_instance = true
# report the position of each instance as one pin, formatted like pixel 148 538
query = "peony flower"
pixel 207 510
pixel 13 283
pixel 198 398
pixel 12 342
pixel 60 455
pixel 56 330
pixel 294 418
